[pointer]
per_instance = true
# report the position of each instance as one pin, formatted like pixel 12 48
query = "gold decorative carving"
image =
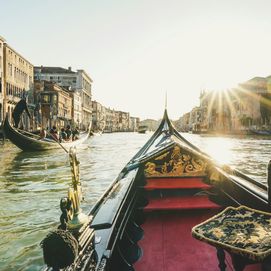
pixel 179 163
pixel 72 217
pixel 162 156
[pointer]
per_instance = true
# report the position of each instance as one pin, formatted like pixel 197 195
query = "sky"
pixel 137 51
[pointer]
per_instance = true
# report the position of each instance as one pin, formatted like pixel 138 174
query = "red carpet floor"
pixel 168 244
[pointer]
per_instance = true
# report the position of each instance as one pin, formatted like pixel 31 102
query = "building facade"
pixel 239 110
pixel 84 85
pixel 76 107
pixel 63 77
pixel 110 120
pixel 17 81
pixel 98 116
pixel 55 104
pixel 2 41
pixel 133 124
pixel 78 83
pixel 123 121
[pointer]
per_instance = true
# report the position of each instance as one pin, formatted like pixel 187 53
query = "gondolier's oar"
pixel 59 143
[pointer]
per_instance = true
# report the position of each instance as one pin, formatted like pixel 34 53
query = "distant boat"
pixel 95 133
pixel 200 131
pixel 142 129
pixel 95 130
pixel 30 142
pixel 260 132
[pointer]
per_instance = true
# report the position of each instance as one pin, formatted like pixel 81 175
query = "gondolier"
pixel 20 107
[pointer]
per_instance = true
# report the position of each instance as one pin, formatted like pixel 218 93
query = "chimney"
pixel 69 68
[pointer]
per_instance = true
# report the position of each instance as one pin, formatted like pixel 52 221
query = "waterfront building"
pixel 204 114
pixel 85 86
pixel 63 77
pixel 194 120
pixel 255 101
pixel 207 117
pixel 110 121
pixel 76 107
pixel 133 124
pixel 238 110
pixel 78 82
pixel 123 121
pixel 118 121
pixel 55 104
pixel 249 105
pixel 98 116
pixel 2 41
pixel 17 81
pixel 216 111
pixel 184 122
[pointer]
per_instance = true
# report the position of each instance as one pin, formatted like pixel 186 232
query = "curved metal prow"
pixel 165 130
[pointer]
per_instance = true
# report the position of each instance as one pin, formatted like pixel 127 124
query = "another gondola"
pixel 30 142
pixel 144 219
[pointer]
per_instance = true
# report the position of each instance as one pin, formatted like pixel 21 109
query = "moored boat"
pixel 144 219
pixel 260 132
pixel 31 142
pixel 142 129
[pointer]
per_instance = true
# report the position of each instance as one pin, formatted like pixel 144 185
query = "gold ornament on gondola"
pixel 72 214
pixel 175 163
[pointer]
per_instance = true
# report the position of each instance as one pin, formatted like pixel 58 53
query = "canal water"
pixel 31 184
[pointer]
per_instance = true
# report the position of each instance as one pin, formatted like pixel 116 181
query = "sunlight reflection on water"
pixel 31 184
pixel 248 154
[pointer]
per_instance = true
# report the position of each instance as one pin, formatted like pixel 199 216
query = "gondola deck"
pixel 168 245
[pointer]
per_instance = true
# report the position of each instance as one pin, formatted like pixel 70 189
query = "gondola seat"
pixel 181 203
pixel 176 183
pixel 179 193
pixel 243 232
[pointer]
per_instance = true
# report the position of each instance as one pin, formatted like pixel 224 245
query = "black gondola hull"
pixel 30 143
pixel 174 165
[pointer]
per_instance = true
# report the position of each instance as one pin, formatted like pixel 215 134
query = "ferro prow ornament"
pixel 66 246
pixel 72 217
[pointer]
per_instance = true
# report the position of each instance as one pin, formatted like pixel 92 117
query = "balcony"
pixel 13 99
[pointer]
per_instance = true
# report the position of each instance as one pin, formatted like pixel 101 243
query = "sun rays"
pixel 236 109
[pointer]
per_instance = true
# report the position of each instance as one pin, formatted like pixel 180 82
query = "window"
pixel 45 98
pixel 54 99
pixel 10 69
